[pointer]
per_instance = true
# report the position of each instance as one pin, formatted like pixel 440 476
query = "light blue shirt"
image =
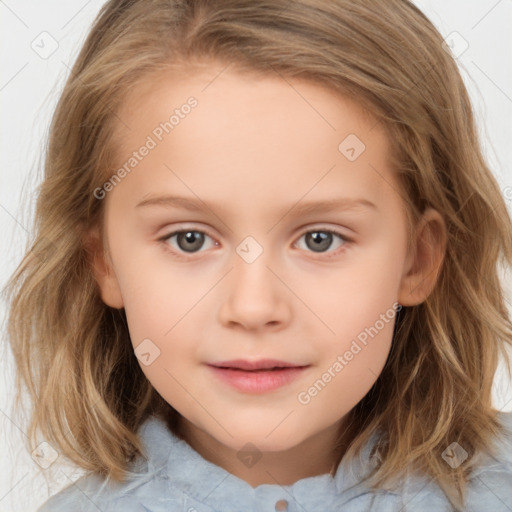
pixel 177 478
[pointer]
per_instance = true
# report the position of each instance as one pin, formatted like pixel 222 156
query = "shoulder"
pixel 92 493
pixel 490 484
pixel 490 487
pixel 501 462
pixel 147 480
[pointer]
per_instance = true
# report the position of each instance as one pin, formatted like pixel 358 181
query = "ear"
pixel 425 258
pixel 101 266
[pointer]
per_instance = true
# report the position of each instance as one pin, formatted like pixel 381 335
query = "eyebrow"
pixel 197 205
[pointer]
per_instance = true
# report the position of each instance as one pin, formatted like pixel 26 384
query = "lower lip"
pixel 258 382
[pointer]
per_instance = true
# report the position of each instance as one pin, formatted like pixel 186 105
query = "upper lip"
pixel 261 364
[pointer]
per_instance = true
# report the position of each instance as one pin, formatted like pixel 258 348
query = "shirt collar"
pixel 186 470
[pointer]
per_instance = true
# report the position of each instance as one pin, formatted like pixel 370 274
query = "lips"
pixel 256 377
pixel 260 365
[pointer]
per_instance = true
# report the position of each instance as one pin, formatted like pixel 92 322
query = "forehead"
pixel 246 96
pixel 247 131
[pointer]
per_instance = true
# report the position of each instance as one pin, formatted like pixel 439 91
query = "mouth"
pixel 263 365
pixel 257 377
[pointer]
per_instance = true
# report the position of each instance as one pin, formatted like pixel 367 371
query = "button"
pixel 281 506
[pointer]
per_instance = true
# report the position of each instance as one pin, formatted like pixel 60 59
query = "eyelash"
pixel 183 255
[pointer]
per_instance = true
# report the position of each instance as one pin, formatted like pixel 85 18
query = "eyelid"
pixel 324 228
pixel 181 228
pixel 346 242
pixel 303 231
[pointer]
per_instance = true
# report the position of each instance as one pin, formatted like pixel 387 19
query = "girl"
pixel 329 341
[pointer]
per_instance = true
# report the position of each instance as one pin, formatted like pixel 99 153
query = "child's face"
pixel 250 155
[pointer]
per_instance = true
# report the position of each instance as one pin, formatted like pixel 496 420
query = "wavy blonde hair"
pixel 436 385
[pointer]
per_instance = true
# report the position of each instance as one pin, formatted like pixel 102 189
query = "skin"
pixel 251 149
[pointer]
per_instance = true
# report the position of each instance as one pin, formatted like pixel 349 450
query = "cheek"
pixel 352 297
pixel 157 295
pixel 351 361
pixel 361 346
pixel 161 337
pixel 160 306
pixel 150 311
pixel 358 307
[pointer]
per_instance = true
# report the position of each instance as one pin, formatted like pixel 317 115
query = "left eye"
pixel 191 241
pixel 188 241
pixel 321 239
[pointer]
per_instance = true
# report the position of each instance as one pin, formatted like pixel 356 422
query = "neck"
pixel 317 455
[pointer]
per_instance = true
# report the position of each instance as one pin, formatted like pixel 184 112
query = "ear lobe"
pixel 101 268
pixel 425 259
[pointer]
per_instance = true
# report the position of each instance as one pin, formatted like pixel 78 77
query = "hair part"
pixel 73 352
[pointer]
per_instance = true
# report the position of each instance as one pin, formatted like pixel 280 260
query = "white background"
pixel 30 86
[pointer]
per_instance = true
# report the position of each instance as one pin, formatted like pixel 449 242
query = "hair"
pixel 388 57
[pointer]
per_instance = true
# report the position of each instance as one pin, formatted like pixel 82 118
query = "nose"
pixel 255 297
